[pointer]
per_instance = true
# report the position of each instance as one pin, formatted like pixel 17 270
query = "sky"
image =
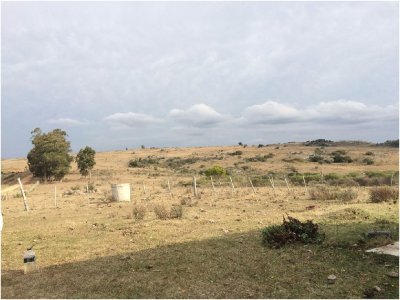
pixel 118 75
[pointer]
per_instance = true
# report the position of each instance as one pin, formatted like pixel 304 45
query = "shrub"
pixel 161 211
pixel 325 193
pixel 215 171
pixel 368 161
pixel 238 152
pixel 339 158
pixel 382 194
pixel 176 212
pixel 138 212
pixel 290 231
pixel 316 158
pixel 369 153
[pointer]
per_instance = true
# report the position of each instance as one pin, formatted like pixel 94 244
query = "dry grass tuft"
pixel 161 211
pixel 382 194
pixel 327 193
pixel 176 212
pixel 139 211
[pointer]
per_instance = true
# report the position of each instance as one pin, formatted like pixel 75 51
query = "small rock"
pixel 202 210
pixel 393 274
pixel 377 288
pixel 225 230
pixel 196 217
pixel 238 220
pixel 388 265
pixel 125 257
pixel 331 279
pixel 260 223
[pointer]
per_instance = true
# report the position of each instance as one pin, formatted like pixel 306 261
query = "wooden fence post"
pixel 305 185
pixel 233 187
pixel 252 186
pixel 169 189
pixel 287 184
pixel 212 184
pixel 194 186
pixel 55 196
pixel 23 194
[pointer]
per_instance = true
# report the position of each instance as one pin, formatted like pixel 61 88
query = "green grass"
pixel 231 266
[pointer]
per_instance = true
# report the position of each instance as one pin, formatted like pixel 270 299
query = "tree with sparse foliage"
pixel 49 158
pixel 85 160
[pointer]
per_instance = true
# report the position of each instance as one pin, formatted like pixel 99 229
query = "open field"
pixel 91 247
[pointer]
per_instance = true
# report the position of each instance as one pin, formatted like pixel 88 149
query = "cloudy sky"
pixel 125 74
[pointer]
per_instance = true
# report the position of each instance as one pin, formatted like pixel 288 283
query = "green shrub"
pixel 368 161
pixel 382 194
pixel 215 171
pixel 290 231
pixel 316 158
pixel 331 176
pixel 238 152
pixel 339 158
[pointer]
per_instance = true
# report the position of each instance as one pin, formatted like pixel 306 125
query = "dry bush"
pixel 325 193
pixel 138 212
pixel 381 194
pixel 161 211
pixel 176 212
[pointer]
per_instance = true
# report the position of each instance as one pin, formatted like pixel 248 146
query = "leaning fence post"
pixel 287 184
pixel 252 186
pixel 391 179
pixel 23 194
pixel 272 183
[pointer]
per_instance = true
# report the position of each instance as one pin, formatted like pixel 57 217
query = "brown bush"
pixel 161 211
pixel 325 193
pixel 176 212
pixel 382 194
pixel 138 212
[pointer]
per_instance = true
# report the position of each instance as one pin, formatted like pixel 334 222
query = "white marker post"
pixel 23 194
pixel 391 179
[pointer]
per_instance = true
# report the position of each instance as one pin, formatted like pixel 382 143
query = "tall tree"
pixel 49 158
pixel 85 160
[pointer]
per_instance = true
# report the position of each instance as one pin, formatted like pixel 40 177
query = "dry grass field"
pixel 92 247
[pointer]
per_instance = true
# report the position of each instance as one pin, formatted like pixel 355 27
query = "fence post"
pixel 305 185
pixel 55 196
pixel 212 184
pixel 169 188
pixel 194 186
pixel 287 184
pixel 254 191
pixel 233 187
pixel 23 194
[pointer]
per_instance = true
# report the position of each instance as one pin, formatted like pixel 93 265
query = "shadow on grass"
pixel 231 266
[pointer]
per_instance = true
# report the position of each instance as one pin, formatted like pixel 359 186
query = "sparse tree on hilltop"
pixel 49 158
pixel 85 160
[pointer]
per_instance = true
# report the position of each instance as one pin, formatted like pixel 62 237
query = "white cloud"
pixel 199 115
pixel 131 119
pixel 333 112
pixel 67 122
